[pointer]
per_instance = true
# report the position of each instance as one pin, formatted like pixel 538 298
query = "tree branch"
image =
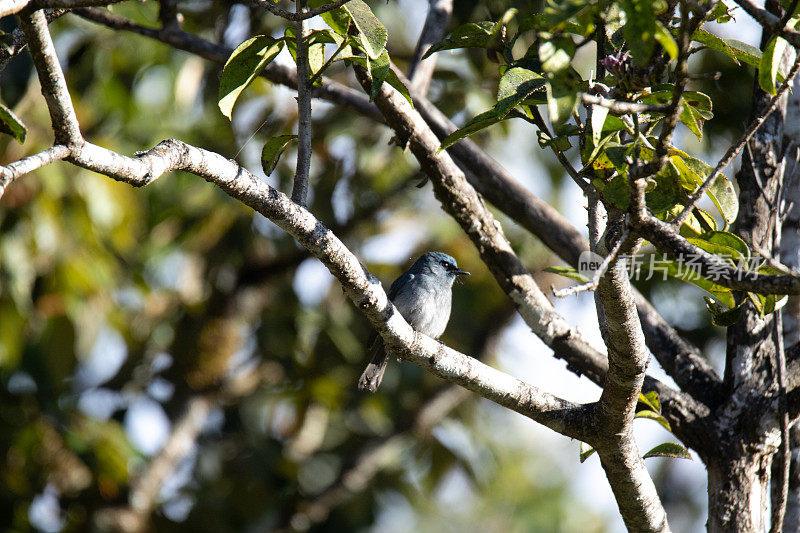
pixel 12 171
pixel 9 7
pixel 666 238
pixel 300 188
pixel 299 15
pixel 617 107
pixel 420 71
pixel 633 488
pixel 54 86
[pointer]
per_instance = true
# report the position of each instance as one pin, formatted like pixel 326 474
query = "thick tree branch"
pixel 633 488
pixel 54 86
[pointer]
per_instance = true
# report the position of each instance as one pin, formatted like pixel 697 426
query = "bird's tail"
pixel 373 375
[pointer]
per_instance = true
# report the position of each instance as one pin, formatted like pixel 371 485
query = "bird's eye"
pixel 445 264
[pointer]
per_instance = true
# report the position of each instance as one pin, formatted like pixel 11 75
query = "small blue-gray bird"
pixel 422 295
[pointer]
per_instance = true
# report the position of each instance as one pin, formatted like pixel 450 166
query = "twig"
pixel 14 170
pixel 666 238
pixel 576 176
pixel 327 63
pixel 300 188
pixel 420 71
pixel 169 15
pixel 299 15
pixel 681 71
pixel 736 147
pixel 599 273
pixel 616 107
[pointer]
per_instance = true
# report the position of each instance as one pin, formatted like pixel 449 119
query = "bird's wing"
pixel 394 290
pixel 399 284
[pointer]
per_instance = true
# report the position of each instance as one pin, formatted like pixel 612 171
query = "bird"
pixel 422 295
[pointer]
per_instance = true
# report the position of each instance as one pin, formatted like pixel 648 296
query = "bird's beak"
pixel 459 272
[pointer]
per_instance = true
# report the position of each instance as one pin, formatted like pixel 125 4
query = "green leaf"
pixel 477 123
pixel 372 32
pixel 652 415
pixel 728 240
pixel 471 35
pixel 395 82
pixel 337 19
pixel 669 449
pixel 640 27
pixel 516 85
pixel 245 63
pixel 650 400
pixel 599 114
pixel 719 13
pixel 272 151
pixel 379 69
pixel 567 272
pixel 689 272
pixel 770 64
pixel 585 451
pixel 556 54
pixel 774 302
pixel 696 108
pixel 391 76
pixel 720 315
pixel 726 252
pixel 721 192
pixel 736 50
pixel 11 124
pixel 693 121
pixel 715 43
pixel 562 97
pixel 665 39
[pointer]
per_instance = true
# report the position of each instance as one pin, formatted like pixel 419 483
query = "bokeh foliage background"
pixel 118 307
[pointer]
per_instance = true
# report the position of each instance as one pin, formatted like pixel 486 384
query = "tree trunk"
pixel 738 492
